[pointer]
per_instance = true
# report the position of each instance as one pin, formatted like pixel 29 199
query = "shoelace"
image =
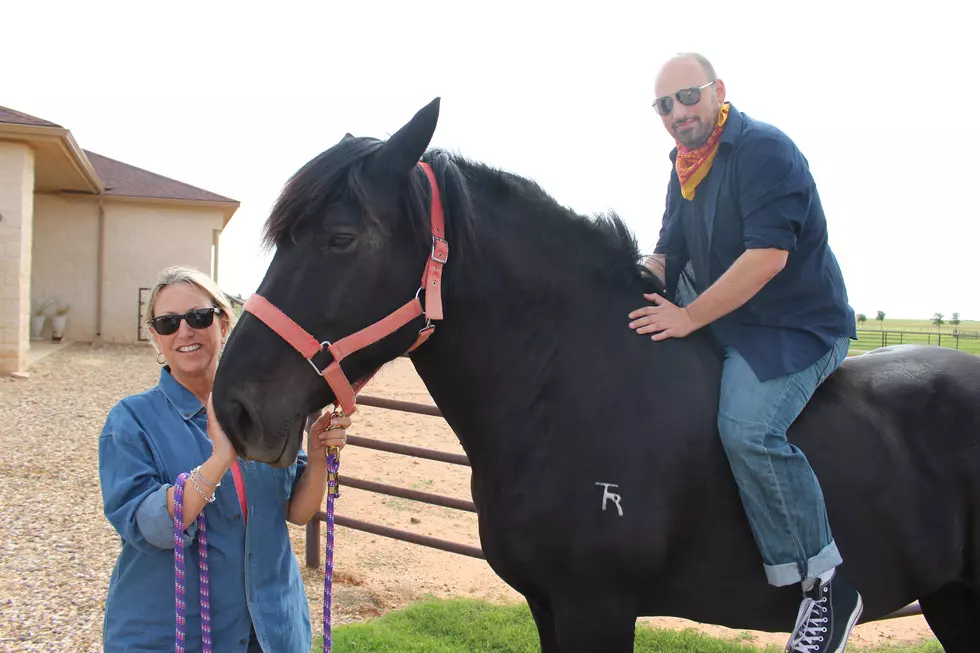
pixel 809 627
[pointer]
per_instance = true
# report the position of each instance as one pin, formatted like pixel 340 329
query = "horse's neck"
pixel 526 395
pixel 527 357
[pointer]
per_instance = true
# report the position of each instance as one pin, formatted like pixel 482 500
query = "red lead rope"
pixel 236 473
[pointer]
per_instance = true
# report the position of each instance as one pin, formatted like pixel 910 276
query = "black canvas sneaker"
pixel 828 613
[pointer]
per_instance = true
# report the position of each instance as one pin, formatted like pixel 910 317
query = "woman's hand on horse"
pixel 329 430
pixel 222 446
pixel 663 319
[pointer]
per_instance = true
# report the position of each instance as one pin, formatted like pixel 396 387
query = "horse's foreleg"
pixel 589 622
pixel 546 627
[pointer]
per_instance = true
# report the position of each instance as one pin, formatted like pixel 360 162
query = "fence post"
pixel 313 543
pixel 313 526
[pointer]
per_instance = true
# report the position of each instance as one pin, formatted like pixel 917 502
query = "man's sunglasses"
pixel 686 96
pixel 200 318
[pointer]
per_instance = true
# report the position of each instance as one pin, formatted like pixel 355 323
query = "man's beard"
pixel 698 137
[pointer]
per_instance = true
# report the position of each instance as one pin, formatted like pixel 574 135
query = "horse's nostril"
pixel 243 420
pixel 237 422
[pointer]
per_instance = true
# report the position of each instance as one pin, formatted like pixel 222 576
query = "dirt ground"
pixel 58 550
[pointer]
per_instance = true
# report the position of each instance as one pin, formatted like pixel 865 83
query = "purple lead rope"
pixel 333 491
pixel 202 549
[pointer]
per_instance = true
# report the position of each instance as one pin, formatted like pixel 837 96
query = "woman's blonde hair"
pixel 182 274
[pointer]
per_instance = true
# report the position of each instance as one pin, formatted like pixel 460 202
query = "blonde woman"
pixel 257 598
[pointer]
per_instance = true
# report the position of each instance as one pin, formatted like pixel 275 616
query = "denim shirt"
pixel 759 193
pixel 147 441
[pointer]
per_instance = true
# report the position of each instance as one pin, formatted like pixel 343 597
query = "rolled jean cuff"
pixel 789 573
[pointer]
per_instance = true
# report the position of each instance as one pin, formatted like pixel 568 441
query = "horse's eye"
pixel 341 241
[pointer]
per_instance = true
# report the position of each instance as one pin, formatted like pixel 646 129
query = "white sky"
pixel 881 100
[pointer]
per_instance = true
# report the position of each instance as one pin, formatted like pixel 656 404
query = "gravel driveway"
pixel 58 550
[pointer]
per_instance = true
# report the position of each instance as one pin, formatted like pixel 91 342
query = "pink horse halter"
pixel 308 346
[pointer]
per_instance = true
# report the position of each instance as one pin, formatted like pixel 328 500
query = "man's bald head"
pixel 690 125
pixel 709 70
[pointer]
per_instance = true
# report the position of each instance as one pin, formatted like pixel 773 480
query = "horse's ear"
pixel 402 151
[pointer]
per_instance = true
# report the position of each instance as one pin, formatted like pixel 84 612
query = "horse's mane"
pixel 338 173
pixel 331 176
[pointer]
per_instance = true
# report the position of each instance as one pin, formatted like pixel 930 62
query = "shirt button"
pixel 238 516
pixel 242 642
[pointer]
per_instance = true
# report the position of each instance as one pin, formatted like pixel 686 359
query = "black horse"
pixel 602 489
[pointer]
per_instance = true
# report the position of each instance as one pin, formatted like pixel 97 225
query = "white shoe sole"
pixel 855 615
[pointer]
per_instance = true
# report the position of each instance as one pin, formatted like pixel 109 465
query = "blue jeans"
pixel 779 490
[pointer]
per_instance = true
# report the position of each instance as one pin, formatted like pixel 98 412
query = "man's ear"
pixel 720 91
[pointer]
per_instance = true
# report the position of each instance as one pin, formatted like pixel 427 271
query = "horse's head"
pixel 349 251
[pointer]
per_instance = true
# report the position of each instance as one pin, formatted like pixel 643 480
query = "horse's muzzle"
pixel 252 438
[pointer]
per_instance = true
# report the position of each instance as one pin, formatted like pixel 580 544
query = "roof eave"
pixel 227 208
pixel 66 141
pixel 83 164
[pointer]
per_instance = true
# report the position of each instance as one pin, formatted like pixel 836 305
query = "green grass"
pixel 873 334
pixel 870 339
pixel 965 326
pixel 929 647
pixel 470 626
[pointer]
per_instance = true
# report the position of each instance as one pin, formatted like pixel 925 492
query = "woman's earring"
pixel 160 359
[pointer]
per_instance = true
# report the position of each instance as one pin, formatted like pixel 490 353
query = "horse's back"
pixel 903 379
pixel 913 397
pixel 902 364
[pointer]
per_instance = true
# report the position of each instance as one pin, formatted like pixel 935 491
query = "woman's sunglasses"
pixel 686 96
pixel 200 318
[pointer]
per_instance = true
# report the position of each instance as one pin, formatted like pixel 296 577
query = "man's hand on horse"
pixel 663 319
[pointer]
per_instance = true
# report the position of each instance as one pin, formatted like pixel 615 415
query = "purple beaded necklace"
pixel 333 491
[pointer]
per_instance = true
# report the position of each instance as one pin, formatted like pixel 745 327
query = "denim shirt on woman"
pixel 148 440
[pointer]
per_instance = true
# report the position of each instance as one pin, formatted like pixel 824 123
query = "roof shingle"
pixel 121 178
pixel 18 118
pixel 127 180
